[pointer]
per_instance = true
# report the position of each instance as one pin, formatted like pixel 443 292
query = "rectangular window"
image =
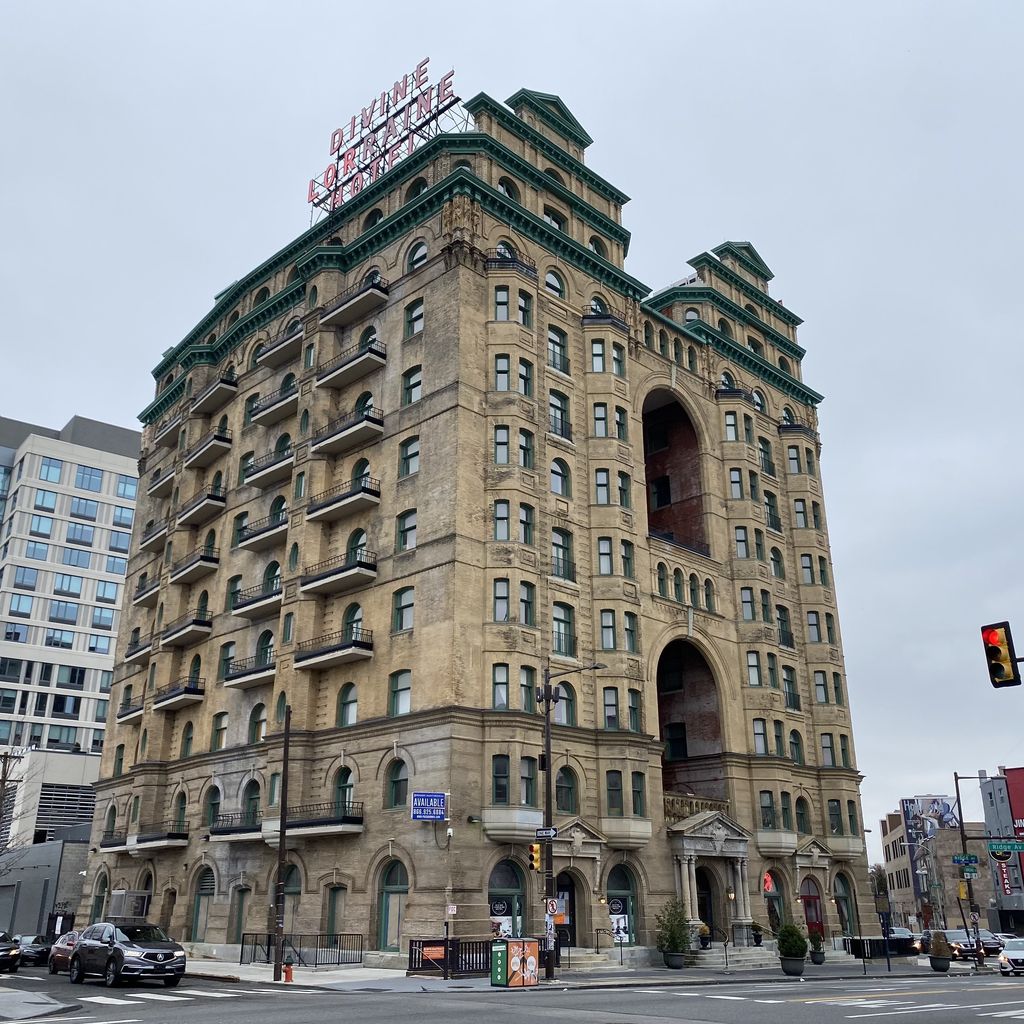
pixel 558 350
pixel 674 735
pixel 501 600
pixel 806 569
pixel 102 618
pixel 823 570
pixel 748 430
pixel 767 809
pixel 813 628
pixel 828 753
pixel 63 611
pixel 124 517
pixel 731 433
pixel 735 483
pixel 528 781
pixel 106 591
pixel 99 644
pixel 527 614
pixel 499 687
pixel 67 586
pixel 809 461
pixel 89 479
pixel 526 517
pixel 753 668
pixel 85 508
pixel 414 318
pixel 835 818
pixel 116 565
pixel 621 424
pixel 501 446
pixel 851 817
pixel 602 487
pixel 50 470
pixel 21 604
pixel 844 750
pixel 62 638
pixel 747 603
pixel 25 577
pixel 639 795
pixel 780 742
pixel 787 811
pixel 837 688
pixel 76 557
pixel 501 520
pixel 499 779
pixel 119 541
pixel 613 789
pixel 46 501
pixel 820 687
pixel 618 360
pixel 79 533
pixel 760 736
pixel 635 722
pixel 607 630
pixel 525 449
pixel 816 515
pixel 525 310
pixel 525 378
pixel 41 526
pixel 501 304
pixel 604 556
pixel 626 549
pixel 400 702
pixel 830 628
pixel 742 547
pixel 502 372
pixel 766 606
pixel 793 458
pixel 800 513
pixel 773 671
pixel 597 356
pixel 600 419
pixel 625 490
pixel 528 689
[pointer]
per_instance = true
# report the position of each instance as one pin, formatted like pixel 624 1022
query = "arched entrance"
pixel 506 895
pixel 810 897
pixel 622 904
pixel 394 887
pixel 205 888
pixel 707 889
pixel 99 899
pixel 690 721
pixel 565 919
pixel 167 904
pixel 239 910
pixel 843 895
pixel 774 900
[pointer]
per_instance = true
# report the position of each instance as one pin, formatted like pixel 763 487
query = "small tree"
pixel 792 943
pixel 673 935
pixel 938 945
pixel 814 938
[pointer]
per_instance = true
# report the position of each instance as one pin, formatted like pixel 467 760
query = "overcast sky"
pixel 871 151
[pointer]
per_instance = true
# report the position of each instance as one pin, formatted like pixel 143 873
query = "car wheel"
pixel 111 974
pixel 172 982
pixel 52 967
pixel 13 969
pixel 75 973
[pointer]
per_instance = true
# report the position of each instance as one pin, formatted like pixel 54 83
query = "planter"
pixel 705 941
pixel 792 965
pixel 817 956
pixel 757 938
pixel 675 961
pixel 939 963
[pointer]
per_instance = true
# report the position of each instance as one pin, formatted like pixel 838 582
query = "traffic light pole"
pixel 979 951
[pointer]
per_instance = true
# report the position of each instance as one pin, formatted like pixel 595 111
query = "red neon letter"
pixel 330 176
pixel 419 75
pixel 423 103
pixel 337 136
pixel 444 88
pixel 399 90
pixel 348 164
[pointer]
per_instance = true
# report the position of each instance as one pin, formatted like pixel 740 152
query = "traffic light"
pixel 535 857
pixel 1002 661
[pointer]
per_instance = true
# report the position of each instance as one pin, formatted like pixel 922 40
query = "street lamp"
pixel 549 697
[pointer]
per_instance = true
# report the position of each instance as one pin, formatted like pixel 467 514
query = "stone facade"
pixel 402 467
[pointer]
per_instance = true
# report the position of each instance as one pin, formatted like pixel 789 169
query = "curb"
pixel 62 1009
pixel 202 975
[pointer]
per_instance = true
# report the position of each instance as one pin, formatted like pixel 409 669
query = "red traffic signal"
pixel 1000 655
pixel 535 857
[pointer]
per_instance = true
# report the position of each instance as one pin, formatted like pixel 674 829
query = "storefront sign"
pixel 381 135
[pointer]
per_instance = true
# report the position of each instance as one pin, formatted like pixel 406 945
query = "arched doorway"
pixel 292 890
pixel 690 722
pixel 622 904
pixel 394 887
pixel 565 919
pixel 774 901
pixel 239 910
pixel 167 904
pixel 506 896
pixel 205 888
pixel 99 899
pixel 810 897
pixel 843 896
pixel 146 886
pixel 707 889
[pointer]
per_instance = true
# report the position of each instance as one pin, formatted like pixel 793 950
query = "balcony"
pixel 198 563
pixel 275 407
pixel 336 575
pixel 560 426
pixel 245 826
pixel 786 638
pixel 776 842
pixel 146 593
pixel 189 629
pixel 138 650
pixel 249 672
pixel 767 465
pixel 271 468
pixel 792 700
pixel 356 302
pixel 512 824
pixel 558 361
pixel 679 808
pixel 161 483
pixel 114 840
pixel 597 314
pixel 166 432
pixel 217 393
pixel 208 449
pixel 160 835
pixel 563 569
pixel 564 644
pixel 153 536
pixel 334 649
pixel 347 432
pixel 284 348
pixel 772 520
pixel 624 833
pixel 179 694
pixel 846 847
pixel 260 601
pixel 263 533
pixel 507 258
pixel 356 496
pixel 130 710
pixel 352 364
pixel 322 819
pixel 204 505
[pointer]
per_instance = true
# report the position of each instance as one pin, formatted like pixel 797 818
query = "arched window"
pixel 648 335
pixel 723 326
pixel 281 707
pixel 709 595
pixel 360 472
pixel 293 557
pixel 343 791
pixel 272 577
pixel 352 622
pixel 417 188
pixel 662 343
pixel 255 355
pixel 364 403
pixel 787 415
pixel 778 566
pixel 219 731
pixel 375 216
pixel 261 296
pixel 368 338
pixel 180 808
pixel 728 381
pixel 803 817
pixel 566 801
pixel 563 630
pixel 195 668
pixel 796 753
pixel 417 256
pixel 677 352
pixel 691 359
pixel 348 705
pixel 677 585
pixel 784 365
pixel 662 579
pixel 283 445
pixel 397 794
pixel 598 307
pixel 265 648
pixel 554 175
pixel 564 712
pixel 203 606
pixel 507 187
pixel 694 585
pixel 251 803
pixel 258 724
pixel 400 693
pixel 210 542
pixel 143 744
pixel 311 301
pixel 758 400
pixel 561 478
pixel 118 760
pixel 110 822
pixel 554 284
pixel 278 508
pixel 211 806
pixel 691 314
pixel 356 545
pixel 304 422
pixel 187 733
pixel 597 247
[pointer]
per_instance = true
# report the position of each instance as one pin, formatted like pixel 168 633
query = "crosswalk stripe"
pixel 740 998
pixel 208 995
pixel 159 997
pixel 109 1001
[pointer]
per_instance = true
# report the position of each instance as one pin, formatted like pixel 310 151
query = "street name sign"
pixel 1013 847
pixel 965 858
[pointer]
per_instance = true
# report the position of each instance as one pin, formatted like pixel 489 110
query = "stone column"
pixel 691 878
pixel 682 883
pixel 745 887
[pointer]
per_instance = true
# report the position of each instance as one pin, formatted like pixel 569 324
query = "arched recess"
pixel 672 462
pixel 621 890
pixel 846 905
pixel 689 717
pixel 506 898
pixel 393 891
pixel 773 888
pixel 814 913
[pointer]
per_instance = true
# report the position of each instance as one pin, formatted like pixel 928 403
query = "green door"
pixel 393 891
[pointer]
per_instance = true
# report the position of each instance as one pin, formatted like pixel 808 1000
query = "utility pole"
pixel 282 851
pixel 979 951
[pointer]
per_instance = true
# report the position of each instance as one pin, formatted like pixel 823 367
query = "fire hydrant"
pixel 286 969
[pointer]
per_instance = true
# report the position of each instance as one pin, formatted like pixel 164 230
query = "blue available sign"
pixel 429 807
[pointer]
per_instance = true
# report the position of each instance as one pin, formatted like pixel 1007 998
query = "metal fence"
pixel 304 950
pixel 451 958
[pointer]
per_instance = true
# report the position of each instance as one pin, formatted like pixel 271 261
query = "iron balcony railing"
pixel 195 555
pixel 792 700
pixel 259 526
pixel 560 426
pixel 767 465
pixel 772 520
pixel 377 348
pixel 288 334
pixel 350 560
pixel 349 420
pixel 153 529
pixel 196 616
pixel 244 666
pixel 340 812
pixel 189 684
pixel 497 259
pixel 361 485
pixel 370 281
pixel 563 568
pixel 113 837
pixel 212 435
pixel 228 377
pixel 268 460
pixel 273 399
pixel 786 638
pixel 146 586
pixel 175 828
pixel 242 821
pixel 129 707
pixel 269 588
pixel 140 643
pixel 332 641
pixel 564 644
pixel 558 361
pixel 167 422
pixel 599 311
pixel 324 950
pixel 204 494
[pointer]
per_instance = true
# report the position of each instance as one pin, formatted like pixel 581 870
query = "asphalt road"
pixel 931 1000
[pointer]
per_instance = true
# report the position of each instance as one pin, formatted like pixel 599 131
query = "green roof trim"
pixel 553 112
pixel 515 125
pixel 705 259
pixel 747 255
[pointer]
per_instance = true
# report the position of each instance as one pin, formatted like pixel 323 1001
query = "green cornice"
pixel 560 119
pixel 515 125
pixel 747 255
pixel 705 259
pixel 689 293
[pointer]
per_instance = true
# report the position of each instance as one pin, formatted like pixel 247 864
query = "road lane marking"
pixel 740 998
pixel 927 1008
pixel 201 992
pixel 109 1001
pixel 767 1000
pixel 159 997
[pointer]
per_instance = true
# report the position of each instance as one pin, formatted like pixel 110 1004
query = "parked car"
pixel 60 952
pixel 117 951
pixel 961 943
pixel 35 949
pixel 900 933
pixel 1005 936
pixel 10 953
pixel 1011 960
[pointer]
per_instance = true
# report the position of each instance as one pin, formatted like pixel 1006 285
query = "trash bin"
pixel 514 963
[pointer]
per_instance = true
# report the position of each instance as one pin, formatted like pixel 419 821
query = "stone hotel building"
pixel 440 444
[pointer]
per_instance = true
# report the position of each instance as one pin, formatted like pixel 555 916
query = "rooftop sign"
pixel 381 135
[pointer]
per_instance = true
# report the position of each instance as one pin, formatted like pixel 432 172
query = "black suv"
pixel 117 951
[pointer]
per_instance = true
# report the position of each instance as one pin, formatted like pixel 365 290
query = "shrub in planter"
pixel 704 934
pixel 758 932
pixel 673 933
pixel 817 953
pixel 939 953
pixel 792 949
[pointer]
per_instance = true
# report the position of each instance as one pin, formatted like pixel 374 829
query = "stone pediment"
pixel 813 852
pixel 576 838
pixel 710 833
